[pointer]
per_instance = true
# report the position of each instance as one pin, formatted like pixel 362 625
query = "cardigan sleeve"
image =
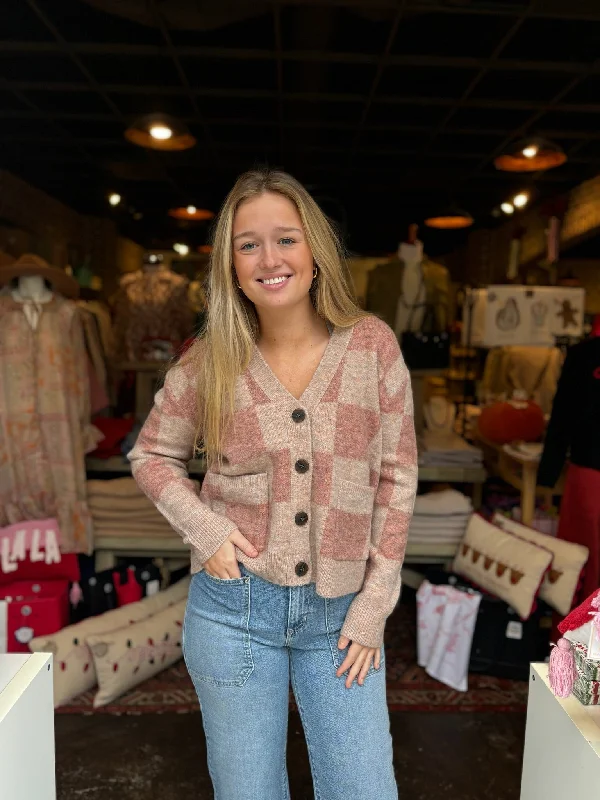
pixel 159 464
pixel 394 503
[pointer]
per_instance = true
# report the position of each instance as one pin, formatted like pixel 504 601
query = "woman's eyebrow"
pixel 281 228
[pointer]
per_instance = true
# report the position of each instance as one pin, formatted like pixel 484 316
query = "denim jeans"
pixel 243 640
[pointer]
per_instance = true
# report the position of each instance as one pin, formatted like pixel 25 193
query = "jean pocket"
pixel 217 638
pixel 336 609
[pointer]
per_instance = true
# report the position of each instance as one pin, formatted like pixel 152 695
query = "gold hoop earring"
pixel 315 270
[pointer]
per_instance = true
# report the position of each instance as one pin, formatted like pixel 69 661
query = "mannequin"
pixel 410 311
pixel 32 292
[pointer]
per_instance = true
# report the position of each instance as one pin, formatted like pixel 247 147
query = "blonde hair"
pixel 224 346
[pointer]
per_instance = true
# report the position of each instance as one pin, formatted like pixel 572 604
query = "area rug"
pixel 409 688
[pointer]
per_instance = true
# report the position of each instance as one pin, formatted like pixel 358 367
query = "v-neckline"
pixel 321 377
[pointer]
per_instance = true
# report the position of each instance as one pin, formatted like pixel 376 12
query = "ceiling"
pixel 385 109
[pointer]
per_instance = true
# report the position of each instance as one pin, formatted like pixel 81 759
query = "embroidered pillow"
pixel 560 582
pixel 502 564
pixel 74 671
pixel 128 656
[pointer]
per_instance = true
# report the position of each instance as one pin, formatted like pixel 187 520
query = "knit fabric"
pixel 343 515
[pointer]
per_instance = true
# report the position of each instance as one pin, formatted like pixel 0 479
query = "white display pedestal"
pixel 562 744
pixel 26 727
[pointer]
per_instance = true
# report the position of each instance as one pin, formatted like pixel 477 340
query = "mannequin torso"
pixel 32 292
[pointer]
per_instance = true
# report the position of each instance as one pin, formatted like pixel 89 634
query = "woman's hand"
pixel 224 564
pixel 358 660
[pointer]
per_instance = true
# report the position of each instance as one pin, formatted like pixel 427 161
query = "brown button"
pixel 301 568
pixel 302 465
pixel 298 415
pixel 301 518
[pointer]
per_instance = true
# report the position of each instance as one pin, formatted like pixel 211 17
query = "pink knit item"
pixel 562 672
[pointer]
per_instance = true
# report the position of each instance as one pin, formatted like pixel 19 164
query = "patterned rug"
pixel 409 688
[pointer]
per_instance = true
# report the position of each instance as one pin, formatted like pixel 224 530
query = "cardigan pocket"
pixel 347 529
pixel 243 499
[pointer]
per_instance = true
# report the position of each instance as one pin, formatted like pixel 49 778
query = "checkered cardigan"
pixel 341 518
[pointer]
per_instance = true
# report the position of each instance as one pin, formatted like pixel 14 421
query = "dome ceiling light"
pixel 452 218
pixel 160 132
pixel 191 213
pixel 531 155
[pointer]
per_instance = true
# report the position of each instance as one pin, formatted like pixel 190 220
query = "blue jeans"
pixel 243 639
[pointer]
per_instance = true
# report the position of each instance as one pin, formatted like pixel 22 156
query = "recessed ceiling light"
pixel 508 208
pixel 531 151
pixel 182 249
pixel 160 132
pixel 190 213
pixel 520 200
pixel 531 155
pixel 114 199
pixel 191 210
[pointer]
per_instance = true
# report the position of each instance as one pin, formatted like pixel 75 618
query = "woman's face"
pixel 272 259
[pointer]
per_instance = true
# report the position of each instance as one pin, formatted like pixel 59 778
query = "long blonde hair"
pixel 224 346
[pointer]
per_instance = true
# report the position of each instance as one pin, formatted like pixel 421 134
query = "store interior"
pixel 454 144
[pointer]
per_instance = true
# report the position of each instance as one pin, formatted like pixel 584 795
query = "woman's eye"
pixel 287 240
pixel 248 246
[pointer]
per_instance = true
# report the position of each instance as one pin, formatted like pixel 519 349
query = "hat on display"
pixel 580 627
pixel 30 264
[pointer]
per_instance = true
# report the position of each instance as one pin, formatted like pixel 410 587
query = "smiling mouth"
pixel 274 281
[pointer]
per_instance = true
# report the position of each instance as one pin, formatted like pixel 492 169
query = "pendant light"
pixel 531 155
pixel 160 132
pixel 191 213
pixel 451 218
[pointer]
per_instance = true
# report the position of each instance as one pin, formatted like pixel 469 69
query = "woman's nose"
pixel 270 256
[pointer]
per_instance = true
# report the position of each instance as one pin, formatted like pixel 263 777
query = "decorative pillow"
pixel 74 671
pixel 128 656
pixel 560 582
pixel 502 564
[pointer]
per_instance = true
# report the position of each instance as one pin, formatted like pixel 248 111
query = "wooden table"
pixel 519 472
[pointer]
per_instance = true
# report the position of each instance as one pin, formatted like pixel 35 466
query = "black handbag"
pixel 428 348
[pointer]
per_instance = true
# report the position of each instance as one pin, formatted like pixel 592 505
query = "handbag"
pixel 427 348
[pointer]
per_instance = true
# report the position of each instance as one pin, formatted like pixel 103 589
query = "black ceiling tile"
pixel 409 114
pixel 589 150
pixel 390 140
pixel 360 30
pixel 552 40
pixel 10 102
pixel 19 23
pixel 521 85
pixel 299 110
pixel 303 76
pixel 79 21
pixel 94 129
pixel 230 74
pixel 569 121
pixel 256 31
pixel 439 34
pixel 47 68
pixel 235 108
pixel 463 144
pixel 69 102
pixel 506 119
pixel 132 70
pixel 425 81
pixel 587 91
pixel 132 105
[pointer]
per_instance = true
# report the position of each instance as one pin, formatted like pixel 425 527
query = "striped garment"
pixel 323 486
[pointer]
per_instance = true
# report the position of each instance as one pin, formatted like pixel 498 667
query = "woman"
pixel 302 405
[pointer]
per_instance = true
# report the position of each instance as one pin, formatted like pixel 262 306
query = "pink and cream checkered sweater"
pixel 323 486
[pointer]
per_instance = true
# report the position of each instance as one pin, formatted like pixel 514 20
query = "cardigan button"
pixel 302 465
pixel 301 568
pixel 301 518
pixel 298 415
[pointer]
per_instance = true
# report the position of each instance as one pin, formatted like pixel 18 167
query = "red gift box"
pixel 29 609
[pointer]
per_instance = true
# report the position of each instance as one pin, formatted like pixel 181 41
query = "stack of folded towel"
pixel 440 518
pixel 119 508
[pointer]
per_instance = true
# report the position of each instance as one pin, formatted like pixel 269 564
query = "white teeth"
pixel 270 281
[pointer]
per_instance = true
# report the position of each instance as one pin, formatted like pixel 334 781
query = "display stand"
pixel 27 768
pixel 417 379
pixel 562 744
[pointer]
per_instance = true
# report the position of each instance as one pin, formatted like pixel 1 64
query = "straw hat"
pixel 30 264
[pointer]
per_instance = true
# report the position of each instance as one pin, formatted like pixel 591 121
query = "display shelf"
pixel 423 553
pixel 453 474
